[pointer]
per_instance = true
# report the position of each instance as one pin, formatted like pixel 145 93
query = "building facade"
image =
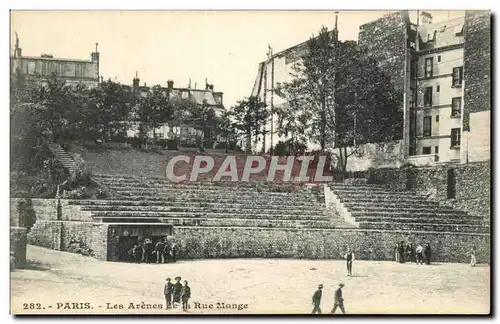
pixel 443 70
pixel 207 96
pixel 30 69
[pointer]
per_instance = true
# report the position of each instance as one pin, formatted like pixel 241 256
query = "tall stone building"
pixel 26 70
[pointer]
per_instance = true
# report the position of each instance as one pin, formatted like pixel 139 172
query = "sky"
pixel 223 46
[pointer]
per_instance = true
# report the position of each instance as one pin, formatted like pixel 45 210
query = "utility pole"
pixel 272 97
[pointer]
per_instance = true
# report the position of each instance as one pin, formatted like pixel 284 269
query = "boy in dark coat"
pixel 316 300
pixel 169 288
pixel 176 292
pixel 427 253
pixel 185 295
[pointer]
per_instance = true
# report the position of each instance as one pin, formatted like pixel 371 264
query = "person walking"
pixel 185 295
pixel 349 256
pixel 419 250
pixel 473 257
pixel 316 300
pixel 169 288
pixel 176 292
pixel 339 300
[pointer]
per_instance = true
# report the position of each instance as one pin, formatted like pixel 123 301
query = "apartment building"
pixel 437 70
pixel 27 70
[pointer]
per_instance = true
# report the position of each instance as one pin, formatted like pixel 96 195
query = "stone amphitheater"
pixel 255 219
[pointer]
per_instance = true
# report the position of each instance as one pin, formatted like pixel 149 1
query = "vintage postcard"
pixel 250 162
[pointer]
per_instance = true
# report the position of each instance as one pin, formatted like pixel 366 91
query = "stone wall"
pixel 45 209
pixel 18 245
pixel 473 185
pixel 21 213
pixel 477 63
pixel 385 41
pixel 46 234
pixel 217 242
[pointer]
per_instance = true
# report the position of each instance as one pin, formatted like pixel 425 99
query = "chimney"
pixel 170 84
pixel 426 18
pixel 136 81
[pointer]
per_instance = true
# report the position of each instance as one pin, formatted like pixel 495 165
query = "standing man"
pixel 316 300
pixel 168 293
pixel 148 250
pixel 427 253
pixel 185 295
pixel 166 251
pixel 159 247
pixel 138 253
pixel 473 257
pixel 401 250
pixel 173 252
pixel 176 292
pixel 410 253
pixel 419 252
pixel 349 256
pixel 339 300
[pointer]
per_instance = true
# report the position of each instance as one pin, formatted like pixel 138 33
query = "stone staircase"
pixel 241 204
pixel 63 157
pixel 375 207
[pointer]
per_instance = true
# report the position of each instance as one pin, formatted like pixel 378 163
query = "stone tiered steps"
pixel 375 207
pixel 257 204
pixel 63 157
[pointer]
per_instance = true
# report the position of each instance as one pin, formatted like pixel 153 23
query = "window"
pixel 455 137
pixel 31 67
pixel 437 118
pixel 428 97
pixel 439 58
pixel 436 149
pixel 427 125
pixel 426 150
pixel 184 94
pixel 428 67
pixel 413 68
pixel 456 106
pixel 438 88
pixel 457 76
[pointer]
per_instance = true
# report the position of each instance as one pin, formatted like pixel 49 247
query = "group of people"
pixel 338 300
pixel 418 254
pixel 163 251
pixel 176 293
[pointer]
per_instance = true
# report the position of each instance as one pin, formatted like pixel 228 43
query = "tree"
pixel 310 108
pixel 224 130
pixel 154 111
pixel 339 95
pixel 249 119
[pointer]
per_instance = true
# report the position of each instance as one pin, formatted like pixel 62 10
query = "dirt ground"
pixel 59 282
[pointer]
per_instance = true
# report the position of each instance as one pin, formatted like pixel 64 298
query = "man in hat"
pixel 168 292
pixel 349 256
pixel 316 300
pixel 176 292
pixel 159 247
pixel 339 300
pixel 185 295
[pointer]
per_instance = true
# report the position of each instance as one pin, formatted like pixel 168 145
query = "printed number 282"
pixel 32 306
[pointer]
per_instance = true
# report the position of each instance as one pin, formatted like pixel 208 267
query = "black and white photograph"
pixel 250 162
